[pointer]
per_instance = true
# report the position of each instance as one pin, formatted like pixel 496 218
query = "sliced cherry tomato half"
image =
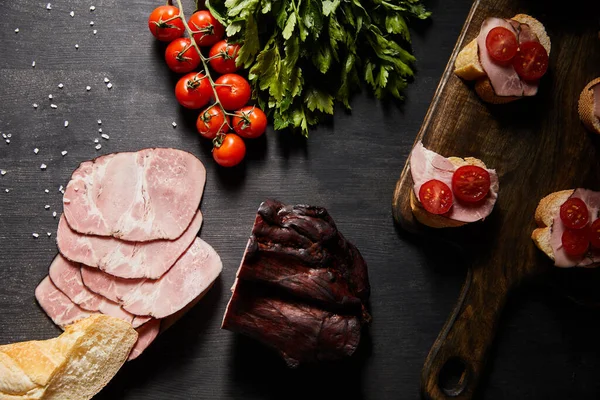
pixel 165 24
pixel 574 213
pixel 207 30
pixel 595 234
pixel 193 90
pixel 181 56
pixel 230 151
pixel 212 121
pixel 435 196
pixel 531 61
pixel 222 57
pixel 249 122
pixel 470 183
pixel 501 44
pixel 575 241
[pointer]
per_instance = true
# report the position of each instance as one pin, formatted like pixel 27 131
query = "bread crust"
pixel 435 220
pixel 547 208
pixel 585 107
pixel 468 67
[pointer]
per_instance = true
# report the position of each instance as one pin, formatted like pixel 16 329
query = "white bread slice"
pixel 468 67
pixel 74 366
pixel 586 107
pixel 547 208
pixel 435 220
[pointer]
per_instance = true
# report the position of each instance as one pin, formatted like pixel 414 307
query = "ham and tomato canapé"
pixel 465 193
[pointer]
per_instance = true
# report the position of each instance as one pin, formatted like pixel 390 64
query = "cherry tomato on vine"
pixel 181 56
pixel 165 24
pixel 531 62
pixel 230 151
pixel 193 90
pixel 212 121
pixel 222 57
pixel 249 122
pixel 233 91
pixel 435 196
pixel 501 44
pixel 208 30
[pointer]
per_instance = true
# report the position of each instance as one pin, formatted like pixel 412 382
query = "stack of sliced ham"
pixel 128 244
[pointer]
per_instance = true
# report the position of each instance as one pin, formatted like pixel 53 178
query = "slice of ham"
pixel 596 95
pixel 147 195
pixel 426 165
pixel 146 335
pixel 194 272
pixel 121 258
pixel 503 77
pixel 562 259
pixel 61 310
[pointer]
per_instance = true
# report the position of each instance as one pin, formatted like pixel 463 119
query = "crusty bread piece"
pixel 434 220
pixel 76 365
pixel 547 208
pixel 586 107
pixel 468 67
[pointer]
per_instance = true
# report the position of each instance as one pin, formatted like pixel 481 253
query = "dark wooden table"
pixel 547 346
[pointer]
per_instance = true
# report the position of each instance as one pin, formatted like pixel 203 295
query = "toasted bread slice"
pixel 434 220
pixel 547 208
pixel 586 107
pixel 468 67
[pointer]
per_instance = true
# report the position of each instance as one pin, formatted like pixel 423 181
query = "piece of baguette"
pixel 76 365
pixel 586 107
pixel 547 208
pixel 468 67
pixel 435 220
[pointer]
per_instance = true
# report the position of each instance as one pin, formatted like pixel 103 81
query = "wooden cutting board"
pixel 537 146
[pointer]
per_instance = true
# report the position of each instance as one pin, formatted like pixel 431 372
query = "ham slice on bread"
pixel 426 165
pixel 589 106
pixel 548 235
pixel 497 83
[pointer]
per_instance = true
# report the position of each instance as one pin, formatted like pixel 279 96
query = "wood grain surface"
pixel 547 347
pixel 538 146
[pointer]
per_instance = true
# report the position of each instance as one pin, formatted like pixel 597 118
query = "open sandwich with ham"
pixel 128 244
pixel 450 192
pixel 569 227
pixel 589 106
pixel 507 59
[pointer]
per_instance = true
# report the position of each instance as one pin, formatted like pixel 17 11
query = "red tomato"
pixel 230 151
pixel 470 183
pixel 193 90
pixel 435 196
pixel 181 56
pixel 531 61
pixel 575 241
pixel 249 122
pixel 574 213
pixel 501 44
pixel 595 234
pixel 165 23
pixel 222 57
pixel 207 30
pixel 233 91
pixel 212 121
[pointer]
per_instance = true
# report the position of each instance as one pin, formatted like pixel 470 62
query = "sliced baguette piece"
pixel 435 220
pixel 74 366
pixel 547 208
pixel 468 67
pixel 586 107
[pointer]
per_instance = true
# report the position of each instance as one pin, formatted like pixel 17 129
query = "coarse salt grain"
pixel 7 141
pixel 17 30
pixel 9 135
pixel 95 31
pixel 96 140
pixel 54 214
pixel 109 85
pixel 50 96
pixel 2 172
pixel 99 130
pixel 53 106
pixel 49 234
pixel 91 23
pixel 33 64
pixel 43 166
pixel 98 146
pixel 105 136
pixel 106 80
pixel 174 124
pixel 36 150
pixel 35 105
pixel 66 201
pixel 48 6
pixel 7 190
pixel 46 191
pixel 4 135
pixel 47 206
pixel 92 8
pixel 88 88
pixel 76 46
pixel 66 123
pixel 63 153
pixel 72 13
pixel 99 122
pixel 35 235
pixel 60 188
pixel 60 86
